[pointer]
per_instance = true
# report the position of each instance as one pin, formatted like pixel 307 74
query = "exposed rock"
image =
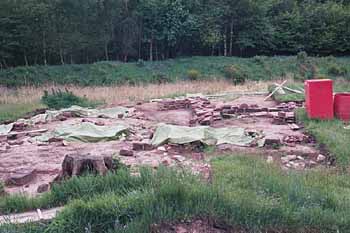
pixel 125 152
pixel 144 145
pixel 179 158
pixel 21 178
pixel 43 188
pixel 161 148
pixel 15 143
pixel 321 158
pixel 272 141
pixel 288 158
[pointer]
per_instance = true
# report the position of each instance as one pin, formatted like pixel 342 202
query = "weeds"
pixel 246 192
pixel 142 72
pixel 330 134
pixel 59 99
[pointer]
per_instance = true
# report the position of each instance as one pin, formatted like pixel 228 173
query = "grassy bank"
pixel 339 85
pixel 330 135
pixel 11 112
pixel 246 193
pixel 110 73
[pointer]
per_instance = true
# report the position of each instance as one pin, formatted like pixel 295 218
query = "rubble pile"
pixel 204 113
pixel 301 162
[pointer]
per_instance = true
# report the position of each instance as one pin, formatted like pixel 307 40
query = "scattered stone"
pixel 288 158
pixel 21 178
pixel 142 146
pixel 15 143
pixel 179 158
pixel 293 126
pixel 297 165
pixel 320 158
pixel 43 188
pixel 272 141
pixel 125 152
pixel 161 148
pixel 269 159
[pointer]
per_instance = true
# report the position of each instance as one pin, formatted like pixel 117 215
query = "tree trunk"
pixel 225 42
pixel 231 38
pixel 151 50
pixel 106 51
pixel 61 56
pixel 26 59
pixel 44 48
pixel 156 52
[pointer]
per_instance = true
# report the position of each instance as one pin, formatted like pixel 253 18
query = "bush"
pixel 302 57
pixel 2 189
pixel 259 59
pixel 59 99
pixel 336 70
pixel 193 74
pixel 235 74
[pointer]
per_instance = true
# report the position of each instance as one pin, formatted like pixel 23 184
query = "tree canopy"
pixel 84 31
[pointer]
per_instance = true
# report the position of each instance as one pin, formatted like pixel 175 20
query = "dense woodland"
pixel 85 31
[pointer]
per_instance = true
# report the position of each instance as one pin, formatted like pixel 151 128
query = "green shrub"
pixel 193 75
pixel 336 70
pixel 2 188
pixel 235 74
pixel 302 57
pixel 58 99
pixel 160 78
pixel 259 59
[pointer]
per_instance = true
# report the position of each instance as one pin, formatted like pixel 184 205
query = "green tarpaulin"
pixel 205 134
pixel 85 132
pixel 78 111
pixel 5 129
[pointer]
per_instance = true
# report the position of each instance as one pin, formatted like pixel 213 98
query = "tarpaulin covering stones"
pixel 85 132
pixel 5 129
pixel 78 111
pixel 204 134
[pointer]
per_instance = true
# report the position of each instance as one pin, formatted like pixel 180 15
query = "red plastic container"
pixel 342 106
pixel 319 98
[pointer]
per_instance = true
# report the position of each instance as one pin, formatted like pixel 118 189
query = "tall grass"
pixel 246 193
pixel 329 134
pixel 116 73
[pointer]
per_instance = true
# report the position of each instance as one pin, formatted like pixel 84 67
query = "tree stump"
pixel 76 165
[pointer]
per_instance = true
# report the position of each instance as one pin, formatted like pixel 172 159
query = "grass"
pixel 246 192
pixel 116 73
pixel 331 135
pixel 11 112
pixel 339 85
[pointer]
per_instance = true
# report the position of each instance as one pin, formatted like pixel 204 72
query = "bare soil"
pixel 39 164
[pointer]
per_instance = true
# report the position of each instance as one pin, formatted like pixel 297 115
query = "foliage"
pixel 235 74
pixel 116 73
pixel 59 99
pixel 2 188
pixel 193 75
pixel 69 31
pixel 337 70
pixel 302 57
pixel 11 112
pixel 245 192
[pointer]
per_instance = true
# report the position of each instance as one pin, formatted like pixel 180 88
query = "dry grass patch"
pixel 127 93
